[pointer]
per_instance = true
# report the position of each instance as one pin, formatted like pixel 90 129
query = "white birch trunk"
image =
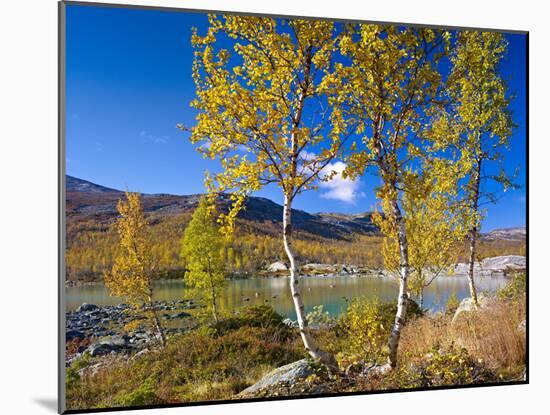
pixel 471 282
pixel 159 329
pixel 309 343
pixel 156 320
pixel 214 304
pixel 403 278
pixel 473 235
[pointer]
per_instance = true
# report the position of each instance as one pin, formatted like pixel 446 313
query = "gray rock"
pixel 285 374
pixel 86 307
pixel 316 266
pixel 317 269
pixel 181 314
pixel 99 349
pixel 494 265
pixel 74 334
pixel 504 262
pixel 277 267
pixel 115 341
pixel 290 323
pixel 467 305
pixel 110 344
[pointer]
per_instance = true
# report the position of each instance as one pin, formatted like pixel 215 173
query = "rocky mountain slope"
pixel 89 201
pixel 506 234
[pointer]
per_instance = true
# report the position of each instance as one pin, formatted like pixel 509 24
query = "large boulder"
pixel 110 344
pixel 467 305
pixel 99 349
pixel 86 307
pixel 277 267
pixel 287 374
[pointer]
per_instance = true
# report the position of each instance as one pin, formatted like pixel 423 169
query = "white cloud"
pixel 306 155
pixel 339 188
pixel 241 148
pixel 205 146
pixel 148 137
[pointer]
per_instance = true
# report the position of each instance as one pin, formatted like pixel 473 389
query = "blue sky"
pixel 129 84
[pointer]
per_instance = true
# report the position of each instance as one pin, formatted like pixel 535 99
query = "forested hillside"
pixel 320 238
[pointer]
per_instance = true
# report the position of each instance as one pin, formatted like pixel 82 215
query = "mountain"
pixel 72 184
pixel 89 201
pixel 506 234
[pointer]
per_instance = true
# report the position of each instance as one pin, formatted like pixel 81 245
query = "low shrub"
pixel 318 316
pixel 142 395
pixel 262 316
pixel 452 304
pixel 515 288
pixel 71 377
pixel 365 327
pixel 438 367
pixel 76 345
pixel 388 311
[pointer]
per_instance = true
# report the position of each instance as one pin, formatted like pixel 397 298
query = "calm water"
pixel 331 292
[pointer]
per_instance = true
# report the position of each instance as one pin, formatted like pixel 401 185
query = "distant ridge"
pixel 508 234
pixel 74 184
pixel 90 201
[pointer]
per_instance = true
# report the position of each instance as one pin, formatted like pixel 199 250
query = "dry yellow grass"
pixel 492 334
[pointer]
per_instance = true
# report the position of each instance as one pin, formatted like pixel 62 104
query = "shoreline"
pixel 494 266
pixel 383 274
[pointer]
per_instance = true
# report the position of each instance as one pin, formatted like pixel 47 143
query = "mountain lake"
pixel 331 292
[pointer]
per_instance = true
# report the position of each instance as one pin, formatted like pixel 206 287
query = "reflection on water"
pixel 331 292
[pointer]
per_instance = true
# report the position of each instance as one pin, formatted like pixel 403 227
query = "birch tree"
pixel 483 124
pixel 202 247
pixel 262 115
pixel 131 276
pixel 434 227
pixel 386 92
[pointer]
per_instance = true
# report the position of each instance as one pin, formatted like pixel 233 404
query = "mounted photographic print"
pixel 259 207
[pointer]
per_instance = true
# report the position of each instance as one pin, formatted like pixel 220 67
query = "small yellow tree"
pixel 131 276
pixel 203 250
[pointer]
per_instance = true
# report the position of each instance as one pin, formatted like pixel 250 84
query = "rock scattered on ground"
pixel 277 267
pixel 495 265
pixel 467 305
pixel 100 331
pixel 287 374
